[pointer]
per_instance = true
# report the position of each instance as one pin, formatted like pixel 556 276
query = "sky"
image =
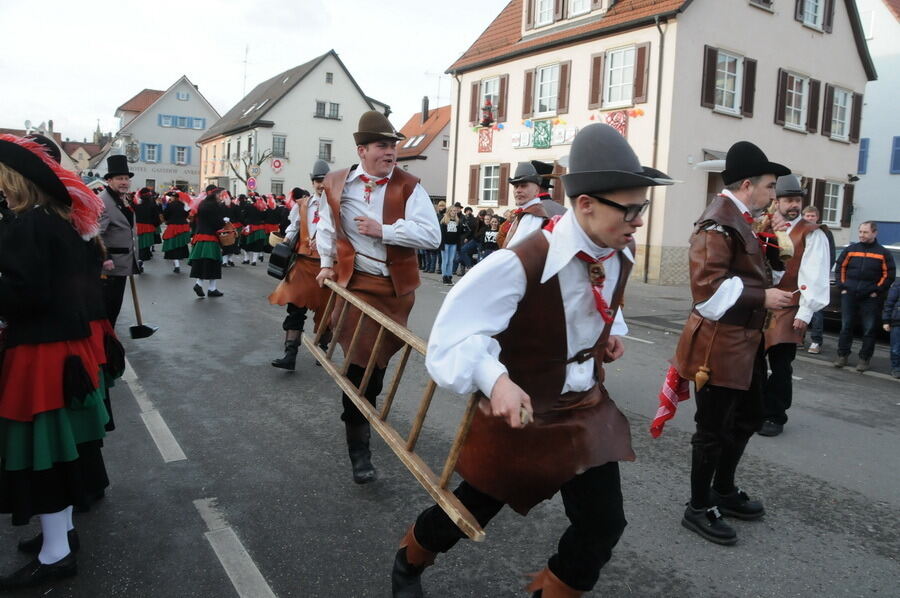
pixel 76 62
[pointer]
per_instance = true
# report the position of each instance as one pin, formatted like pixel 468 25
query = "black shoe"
pixel 245 261
pixel 215 293
pixel 176 269
pixel 708 523
pixel 199 290
pixel 770 428
pixel 36 573
pixel 737 504
pixel 406 579
pixel 231 264
pixel 33 546
pixel 289 361
pixel 360 455
pixel 252 263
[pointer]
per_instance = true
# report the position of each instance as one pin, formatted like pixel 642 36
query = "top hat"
pixel 375 126
pixel 745 160
pixel 601 160
pixel 320 169
pixel 32 160
pixel 116 165
pixel 789 185
pixel 526 173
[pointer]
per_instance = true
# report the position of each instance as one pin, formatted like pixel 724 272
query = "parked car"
pixel 833 309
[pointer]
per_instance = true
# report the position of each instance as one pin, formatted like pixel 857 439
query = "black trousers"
pixel 295 318
pixel 726 418
pixel 778 390
pixel 355 373
pixel 593 503
pixel 113 293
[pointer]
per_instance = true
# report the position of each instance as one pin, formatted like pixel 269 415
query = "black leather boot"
pixel 289 361
pixel 360 455
pixel 406 579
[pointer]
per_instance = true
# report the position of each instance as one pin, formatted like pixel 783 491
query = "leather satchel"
pixel 281 260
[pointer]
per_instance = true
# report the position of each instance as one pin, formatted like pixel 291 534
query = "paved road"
pixel 265 485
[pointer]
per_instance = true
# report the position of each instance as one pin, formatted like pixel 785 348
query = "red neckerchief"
pixel 596 273
pixel 371 184
pixel 764 238
pixel 316 216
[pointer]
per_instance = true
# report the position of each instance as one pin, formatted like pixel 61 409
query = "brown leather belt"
pixel 753 319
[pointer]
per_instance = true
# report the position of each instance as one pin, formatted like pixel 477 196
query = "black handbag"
pixel 281 260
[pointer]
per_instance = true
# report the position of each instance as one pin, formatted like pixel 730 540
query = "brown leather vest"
pixel 303 238
pixel 781 326
pixel 728 347
pixel 507 233
pixel 401 261
pixel 536 356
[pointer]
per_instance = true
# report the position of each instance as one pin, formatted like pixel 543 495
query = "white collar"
pixel 566 240
pixel 740 205
pixel 356 172
pixel 533 202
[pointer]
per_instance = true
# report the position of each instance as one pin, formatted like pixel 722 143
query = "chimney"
pixel 50 127
pixel 424 109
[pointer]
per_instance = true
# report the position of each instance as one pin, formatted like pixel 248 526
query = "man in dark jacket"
pixel 864 273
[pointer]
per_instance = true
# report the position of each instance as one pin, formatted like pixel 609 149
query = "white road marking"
pixel 640 340
pixel 160 433
pixel 238 565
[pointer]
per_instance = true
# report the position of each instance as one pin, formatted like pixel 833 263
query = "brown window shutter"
pixel 812 106
pixel 559 10
pixel 503 100
pixel 529 14
pixel 847 208
pixel 474 174
pixel 708 91
pixel 476 99
pixel 559 190
pixel 856 117
pixel 827 110
pixel 596 88
pixel 749 88
pixel 562 92
pixel 641 73
pixel 781 97
pixel 503 195
pixel 798 10
pixel 528 94
pixel 819 196
pixel 828 16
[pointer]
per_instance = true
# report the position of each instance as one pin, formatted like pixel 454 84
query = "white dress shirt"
pixel 528 223
pixel 418 228
pixel 462 354
pixel 813 274
pixel 312 206
pixel 730 290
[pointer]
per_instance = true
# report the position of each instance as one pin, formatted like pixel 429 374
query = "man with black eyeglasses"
pixel 721 347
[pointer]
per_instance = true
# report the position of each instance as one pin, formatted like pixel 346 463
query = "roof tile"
pixel 141 101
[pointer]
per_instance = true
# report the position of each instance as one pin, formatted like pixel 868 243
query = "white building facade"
pixel 878 189
pixel 275 134
pixel 160 140
pixel 682 82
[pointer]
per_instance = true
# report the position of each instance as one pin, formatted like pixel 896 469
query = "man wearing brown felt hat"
pixel 721 346
pixel 374 218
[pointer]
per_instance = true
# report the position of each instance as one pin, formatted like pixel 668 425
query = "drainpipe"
pixel 659 77
pixel 452 197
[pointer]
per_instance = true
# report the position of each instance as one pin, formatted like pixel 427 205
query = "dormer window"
pixel 543 12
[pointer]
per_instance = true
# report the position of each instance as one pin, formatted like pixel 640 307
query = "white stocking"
pixel 212 285
pixel 56 538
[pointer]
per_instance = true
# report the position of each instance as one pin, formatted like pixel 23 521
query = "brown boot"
pixel 547 585
pixel 410 562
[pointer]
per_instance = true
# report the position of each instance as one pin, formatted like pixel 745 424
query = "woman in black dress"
pixel 206 254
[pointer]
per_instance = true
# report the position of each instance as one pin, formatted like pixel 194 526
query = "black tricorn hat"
pixel 116 165
pixel 375 126
pixel 601 160
pixel 745 160
pixel 545 169
pixel 33 168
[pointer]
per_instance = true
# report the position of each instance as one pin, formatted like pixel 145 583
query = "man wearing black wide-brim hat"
pixel 374 218
pixel 529 214
pixel 553 207
pixel 721 347
pixel 118 233
pixel 542 318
